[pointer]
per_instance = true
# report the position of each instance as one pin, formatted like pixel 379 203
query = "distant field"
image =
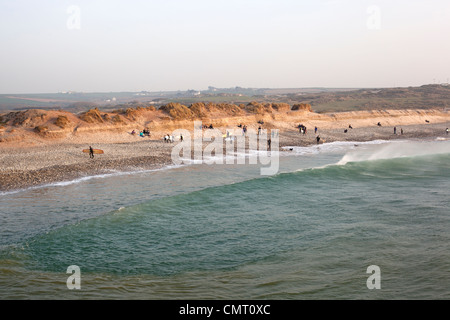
pixel 373 103
pixel 424 97
pixel 215 99
pixel 321 99
pixel 8 103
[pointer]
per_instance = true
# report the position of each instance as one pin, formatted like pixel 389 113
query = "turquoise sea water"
pixel 226 232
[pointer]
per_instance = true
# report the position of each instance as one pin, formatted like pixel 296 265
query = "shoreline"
pixel 41 166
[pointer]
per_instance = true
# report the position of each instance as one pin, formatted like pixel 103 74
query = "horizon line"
pixel 251 88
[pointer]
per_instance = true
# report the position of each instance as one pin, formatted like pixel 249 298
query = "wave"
pixel 208 228
pixel 398 149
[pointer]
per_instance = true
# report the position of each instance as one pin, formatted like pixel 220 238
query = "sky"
pixel 50 46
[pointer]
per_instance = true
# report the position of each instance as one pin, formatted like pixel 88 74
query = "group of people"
pixel 302 129
pixel 395 130
pixel 143 133
pixel 168 138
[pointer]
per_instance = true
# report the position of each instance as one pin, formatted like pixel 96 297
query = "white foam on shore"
pixel 336 146
pixel 231 157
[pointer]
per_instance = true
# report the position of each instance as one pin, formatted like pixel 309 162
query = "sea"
pixel 341 220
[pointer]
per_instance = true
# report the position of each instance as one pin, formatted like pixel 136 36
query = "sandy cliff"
pixel 36 127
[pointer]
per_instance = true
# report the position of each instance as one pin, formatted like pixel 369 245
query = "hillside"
pixel 424 97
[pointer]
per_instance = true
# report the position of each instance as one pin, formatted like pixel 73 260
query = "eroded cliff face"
pixel 44 126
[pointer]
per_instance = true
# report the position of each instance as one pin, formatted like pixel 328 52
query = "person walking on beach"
pixel 395 130
pixel 91 152
pixel 315 129
pixel 401 131
pixel 446 130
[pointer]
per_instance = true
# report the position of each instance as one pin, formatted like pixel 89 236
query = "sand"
pixel 24 166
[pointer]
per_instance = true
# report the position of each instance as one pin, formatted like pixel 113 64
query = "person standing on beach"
pixel 395 130
pixel 446 130
pixel 91 152
pixel 315 129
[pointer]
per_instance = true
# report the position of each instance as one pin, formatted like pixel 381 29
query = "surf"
pixel 396 149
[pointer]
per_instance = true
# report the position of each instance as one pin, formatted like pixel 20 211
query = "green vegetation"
pixel 40 129
pixel 62 121
pixel 424 97
pixel 92 116
pixel 177 111
pixel 301 106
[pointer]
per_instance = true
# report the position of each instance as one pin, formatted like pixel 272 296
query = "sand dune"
pixel 42 127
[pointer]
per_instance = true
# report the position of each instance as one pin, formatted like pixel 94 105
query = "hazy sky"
pixel 134 45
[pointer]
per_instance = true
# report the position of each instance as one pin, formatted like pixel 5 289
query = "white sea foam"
pixel 397 149
pixel 232 157
pixel 337 146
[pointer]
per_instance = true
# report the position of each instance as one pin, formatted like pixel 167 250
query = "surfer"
pixel 318 139
pixel 91 152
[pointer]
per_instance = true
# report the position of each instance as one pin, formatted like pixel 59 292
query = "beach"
pixel 25 165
